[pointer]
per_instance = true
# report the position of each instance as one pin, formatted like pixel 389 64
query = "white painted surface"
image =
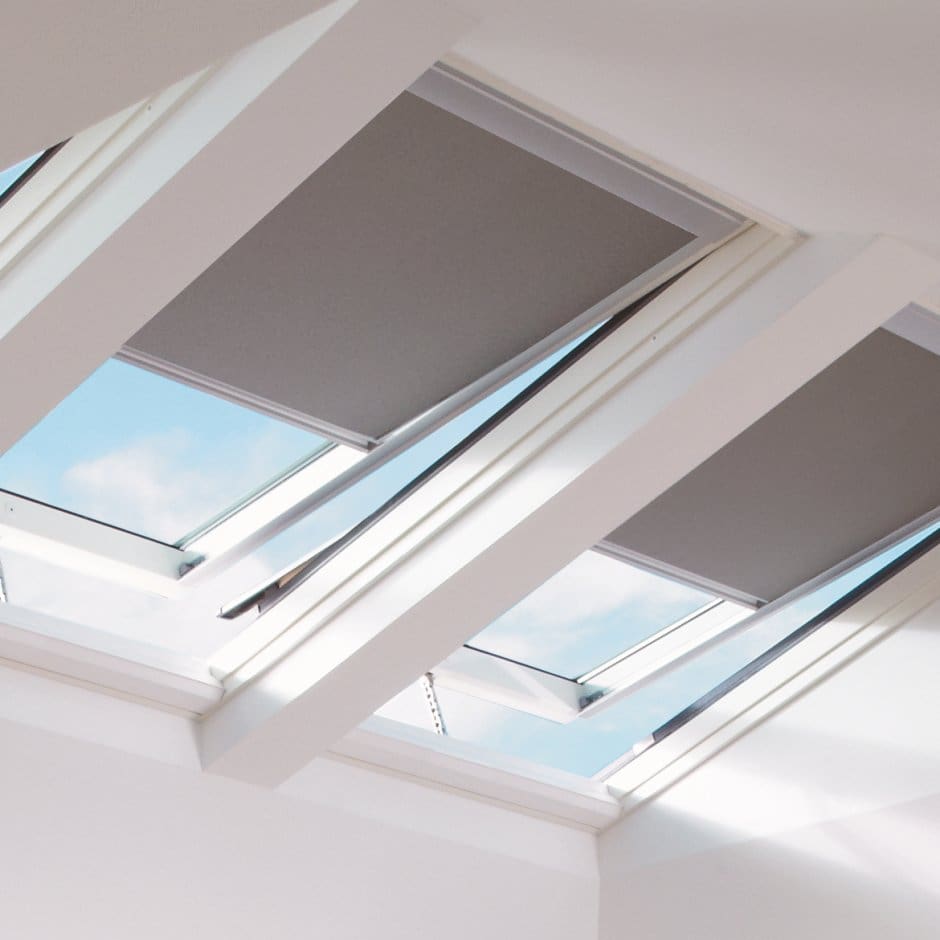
pixel 443 762
pixel 66 66
pixel 99 843
pixel 867 877
pixel 106 661
pixel 375 633
pixel 819 822
pixel 44 702
pixel 439 812
pixel 819 112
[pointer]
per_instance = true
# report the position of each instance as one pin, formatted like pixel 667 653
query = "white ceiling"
pixel 823 113
pixel 65 66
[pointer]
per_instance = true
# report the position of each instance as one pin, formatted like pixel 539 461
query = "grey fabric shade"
pixel 848 459
pixel 425 253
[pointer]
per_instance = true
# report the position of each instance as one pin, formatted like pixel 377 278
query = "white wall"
pixel 98 843
pixel 821 822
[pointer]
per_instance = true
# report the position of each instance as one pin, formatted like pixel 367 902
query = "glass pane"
pixel 151 455
pixel 586 746
pixel 589 612
pixel 11 174
pixel 354 504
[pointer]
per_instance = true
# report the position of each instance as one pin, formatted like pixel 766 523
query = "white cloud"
pixel 163 485
pixel 572 607
pixel 144 487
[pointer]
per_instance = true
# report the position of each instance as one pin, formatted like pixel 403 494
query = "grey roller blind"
pixel 425 253
pixel 848 459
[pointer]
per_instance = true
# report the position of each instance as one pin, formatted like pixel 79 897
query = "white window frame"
pixel 91 548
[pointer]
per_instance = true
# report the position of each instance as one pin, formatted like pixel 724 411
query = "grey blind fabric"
pixel 848 459
pixel 425 253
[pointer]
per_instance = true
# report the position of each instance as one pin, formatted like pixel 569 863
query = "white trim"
pixel 91 547
pixel 515 685
pixel 432 760
pixel 834 645
pixel 239 396
pixel 72 172
pixel 107 662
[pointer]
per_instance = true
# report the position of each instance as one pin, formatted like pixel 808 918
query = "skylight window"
pixel 588 613
pixel 616 721
pixel 144 453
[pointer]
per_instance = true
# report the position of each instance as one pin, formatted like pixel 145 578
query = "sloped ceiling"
pixel 65 66
pixel 822 113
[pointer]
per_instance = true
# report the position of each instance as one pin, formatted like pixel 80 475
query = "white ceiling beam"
pixel 227 150
pixel 105 662
pixel 669 388
pixel 67 66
